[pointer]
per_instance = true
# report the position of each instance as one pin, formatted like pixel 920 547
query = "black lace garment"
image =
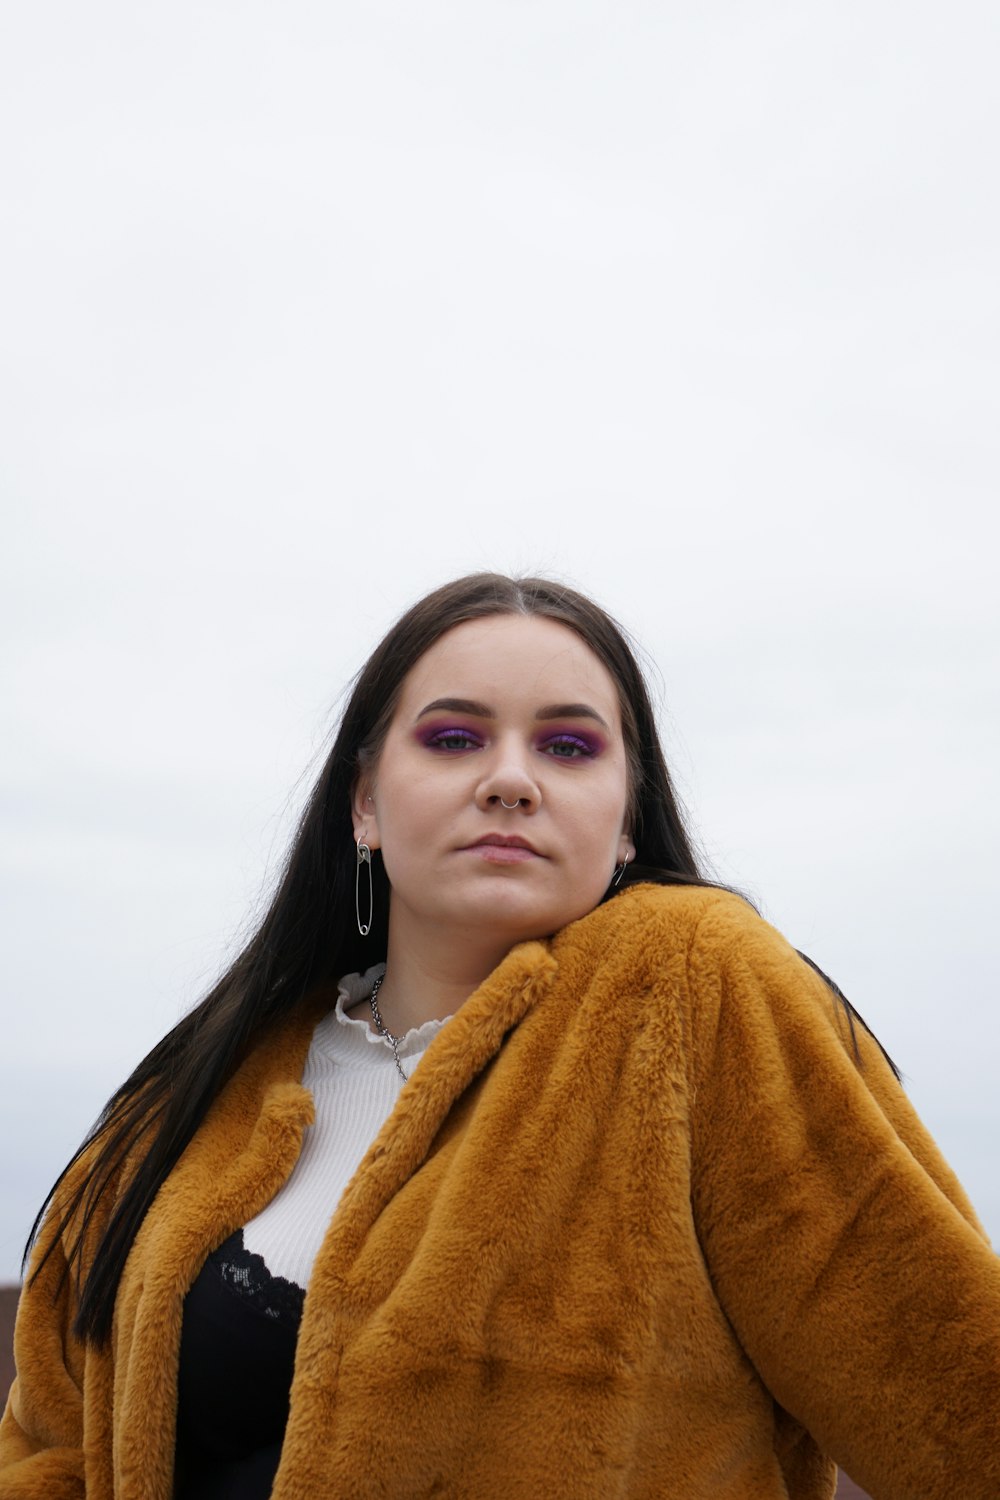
pixel 237 1355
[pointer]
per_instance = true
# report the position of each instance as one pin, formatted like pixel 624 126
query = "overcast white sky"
pixel 309 307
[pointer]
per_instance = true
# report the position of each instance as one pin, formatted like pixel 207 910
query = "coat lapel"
pixel 345 1278
pixel 458 1054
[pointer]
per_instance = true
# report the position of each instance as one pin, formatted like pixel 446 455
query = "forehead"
pixel 521 657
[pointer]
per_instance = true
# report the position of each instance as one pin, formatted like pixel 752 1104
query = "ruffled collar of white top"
pixel 353 1039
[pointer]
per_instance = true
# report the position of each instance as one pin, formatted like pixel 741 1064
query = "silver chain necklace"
pixel 383 1029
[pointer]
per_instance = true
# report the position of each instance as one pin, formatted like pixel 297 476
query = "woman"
pixel 582 1182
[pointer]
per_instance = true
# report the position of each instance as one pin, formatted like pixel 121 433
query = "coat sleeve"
pixel 841 1247
pixel 41 1432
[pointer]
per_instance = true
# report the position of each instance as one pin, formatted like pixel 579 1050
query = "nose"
pixel 508 783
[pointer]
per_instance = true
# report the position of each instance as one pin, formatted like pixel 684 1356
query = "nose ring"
pixel 510 806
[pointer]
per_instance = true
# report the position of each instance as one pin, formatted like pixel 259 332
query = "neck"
pixel 428 980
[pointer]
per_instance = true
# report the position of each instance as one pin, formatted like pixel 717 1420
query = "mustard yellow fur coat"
pixel 643 1224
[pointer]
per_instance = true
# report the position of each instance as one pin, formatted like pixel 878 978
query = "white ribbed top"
pixel 351 1073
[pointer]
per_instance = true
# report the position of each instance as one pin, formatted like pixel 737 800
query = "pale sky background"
pixel 309 307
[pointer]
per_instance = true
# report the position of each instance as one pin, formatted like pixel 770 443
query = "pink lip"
pixel 503 841
pixel 502 848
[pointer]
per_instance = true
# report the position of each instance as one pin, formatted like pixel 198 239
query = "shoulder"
pixel 663 920
pixel 706 950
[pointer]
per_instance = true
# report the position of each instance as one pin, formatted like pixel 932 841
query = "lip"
pixel 502 848
pixel 503 841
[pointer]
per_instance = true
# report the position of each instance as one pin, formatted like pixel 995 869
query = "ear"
pixel 626 849
pixel 363 813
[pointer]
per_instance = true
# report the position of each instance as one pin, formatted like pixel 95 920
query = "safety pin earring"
pixel 364 861
pixel 620 872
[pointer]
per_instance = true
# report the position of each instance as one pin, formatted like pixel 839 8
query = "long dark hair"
pixel 308 935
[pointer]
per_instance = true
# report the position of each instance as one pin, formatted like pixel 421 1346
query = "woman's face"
pixel 513 710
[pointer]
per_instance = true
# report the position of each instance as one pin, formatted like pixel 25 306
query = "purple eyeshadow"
pixel 433 734
pixel 589 744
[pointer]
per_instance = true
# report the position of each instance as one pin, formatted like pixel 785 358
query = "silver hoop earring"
pixel 365 860
pixel 510 806
pixel 620 872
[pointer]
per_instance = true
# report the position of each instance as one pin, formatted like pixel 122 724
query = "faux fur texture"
pixel 641 1224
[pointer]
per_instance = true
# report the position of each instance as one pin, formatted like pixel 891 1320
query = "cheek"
pixel 412 813
pixel 609 811
pixel 597 828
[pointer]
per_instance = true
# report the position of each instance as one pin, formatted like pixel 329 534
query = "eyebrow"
pixel 484 711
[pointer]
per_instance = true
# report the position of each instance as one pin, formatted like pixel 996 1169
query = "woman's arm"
pixel 842 1248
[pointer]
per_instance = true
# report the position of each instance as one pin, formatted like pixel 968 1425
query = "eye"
pixel 569 747
pixel 452 740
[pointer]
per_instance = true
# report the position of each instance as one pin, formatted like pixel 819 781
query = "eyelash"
pixel 571 742
pixel 439 740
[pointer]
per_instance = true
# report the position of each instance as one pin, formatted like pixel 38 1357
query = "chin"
pixel 513 917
